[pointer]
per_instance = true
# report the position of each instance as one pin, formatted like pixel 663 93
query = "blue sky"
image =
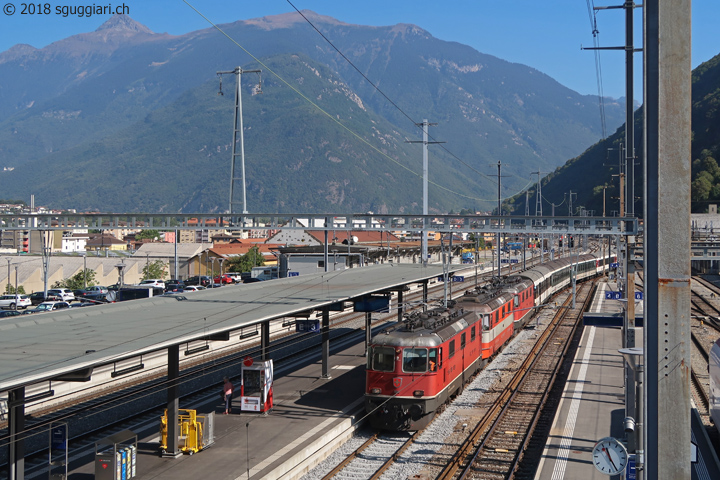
pixel 545 35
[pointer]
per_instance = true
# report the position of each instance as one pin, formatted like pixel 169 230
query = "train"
pixel 714 371
pixel 416 365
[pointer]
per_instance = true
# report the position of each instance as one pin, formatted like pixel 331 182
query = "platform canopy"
pixel 66 343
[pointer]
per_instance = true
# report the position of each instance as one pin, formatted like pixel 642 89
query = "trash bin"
pixel 116 456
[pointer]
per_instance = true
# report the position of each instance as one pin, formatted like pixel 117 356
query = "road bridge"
pixel 510 225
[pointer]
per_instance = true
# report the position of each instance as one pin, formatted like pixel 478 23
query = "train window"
pixel 383 359
pixel 472 333
pixel 415 360
pixel 486 322
pixel 463 337
pixel 433 359
pixel 516 301
pixel 451 349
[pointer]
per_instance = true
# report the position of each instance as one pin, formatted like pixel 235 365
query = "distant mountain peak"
pixel 286 20
pixel 123 23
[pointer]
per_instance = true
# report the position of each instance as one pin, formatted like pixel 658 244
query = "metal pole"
pixel 238 118
pixel 242 136
pixel 176 255
pixel 667 104
pixel 424 243
pixel 84 271
pixel 497 238
pixel 7 289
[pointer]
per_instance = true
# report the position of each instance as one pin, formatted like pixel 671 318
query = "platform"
pixel 308 411
pixel 593 406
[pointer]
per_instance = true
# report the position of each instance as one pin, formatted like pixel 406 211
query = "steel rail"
pixel 464 452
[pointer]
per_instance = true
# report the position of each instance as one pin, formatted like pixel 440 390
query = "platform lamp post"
pixel 84 271
pixel 7 289
pixel 634 426
pixel 16 287
pixel 212 271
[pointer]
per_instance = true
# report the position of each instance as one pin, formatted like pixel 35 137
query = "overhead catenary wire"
pixel 405 114
pixel 598 65
pixel 331 117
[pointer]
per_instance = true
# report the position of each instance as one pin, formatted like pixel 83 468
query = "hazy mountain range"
pixel 124 119
pixel 598 167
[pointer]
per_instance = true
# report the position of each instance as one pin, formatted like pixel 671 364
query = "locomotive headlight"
pixel 418 393
pixel 375 391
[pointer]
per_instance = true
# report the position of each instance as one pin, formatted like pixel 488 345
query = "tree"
pixel 10 289
pixel 77 281
pixel 154 269
pixel 245 263
pixel 151 234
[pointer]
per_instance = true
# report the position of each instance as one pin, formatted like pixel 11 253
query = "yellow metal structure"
pixel 190 432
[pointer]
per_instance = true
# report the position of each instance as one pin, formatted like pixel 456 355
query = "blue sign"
pixel 373 303
pixel 638 295
pixel 307 325
pixel 514 260
pixel 614 265
pixel 630 473
pixel 609 295
pixel 293 274
pixel 59 436
pixel 458 278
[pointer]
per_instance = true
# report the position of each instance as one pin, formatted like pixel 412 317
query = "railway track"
pixel 366 463
pixel 373 457
pixel 495 447
pixel 705 329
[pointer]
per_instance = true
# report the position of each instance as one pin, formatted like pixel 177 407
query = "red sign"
pixel 248 361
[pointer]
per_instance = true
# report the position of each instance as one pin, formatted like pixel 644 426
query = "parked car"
pixel 94 290
pixel 9 313
pixel 155 282
pixel 252 280
pixel 15 302
pixel 66 294
pixel 36 298
pixel 203 280
pixel 49 307
pixel 224 278
pixel 174 286
pixel 236 276
pixel 193 288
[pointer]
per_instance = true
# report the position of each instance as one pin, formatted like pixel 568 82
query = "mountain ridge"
pixel 486 108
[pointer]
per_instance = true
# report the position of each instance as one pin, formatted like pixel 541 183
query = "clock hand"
pixel 609 457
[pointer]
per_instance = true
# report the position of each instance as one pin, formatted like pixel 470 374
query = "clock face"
pixel 610 456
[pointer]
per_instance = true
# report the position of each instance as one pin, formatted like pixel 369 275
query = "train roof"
pixel 428 329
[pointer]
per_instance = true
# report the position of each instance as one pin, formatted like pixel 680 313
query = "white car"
pixel 66 294
pixel 14 302
pixel 193 288
pixel 154 282
pixel 49 307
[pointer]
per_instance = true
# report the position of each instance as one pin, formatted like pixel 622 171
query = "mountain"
pixel 598 166
pixel 126 106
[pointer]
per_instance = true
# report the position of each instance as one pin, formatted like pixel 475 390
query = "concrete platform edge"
pixel 305 460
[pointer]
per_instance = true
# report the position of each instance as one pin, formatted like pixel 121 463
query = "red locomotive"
pixel 415 366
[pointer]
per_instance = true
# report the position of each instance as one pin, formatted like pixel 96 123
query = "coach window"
pixel 463 337
pixel 415 360
pixel 472 334
pixel 382 358
pixel 516 301
pixel 486 322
